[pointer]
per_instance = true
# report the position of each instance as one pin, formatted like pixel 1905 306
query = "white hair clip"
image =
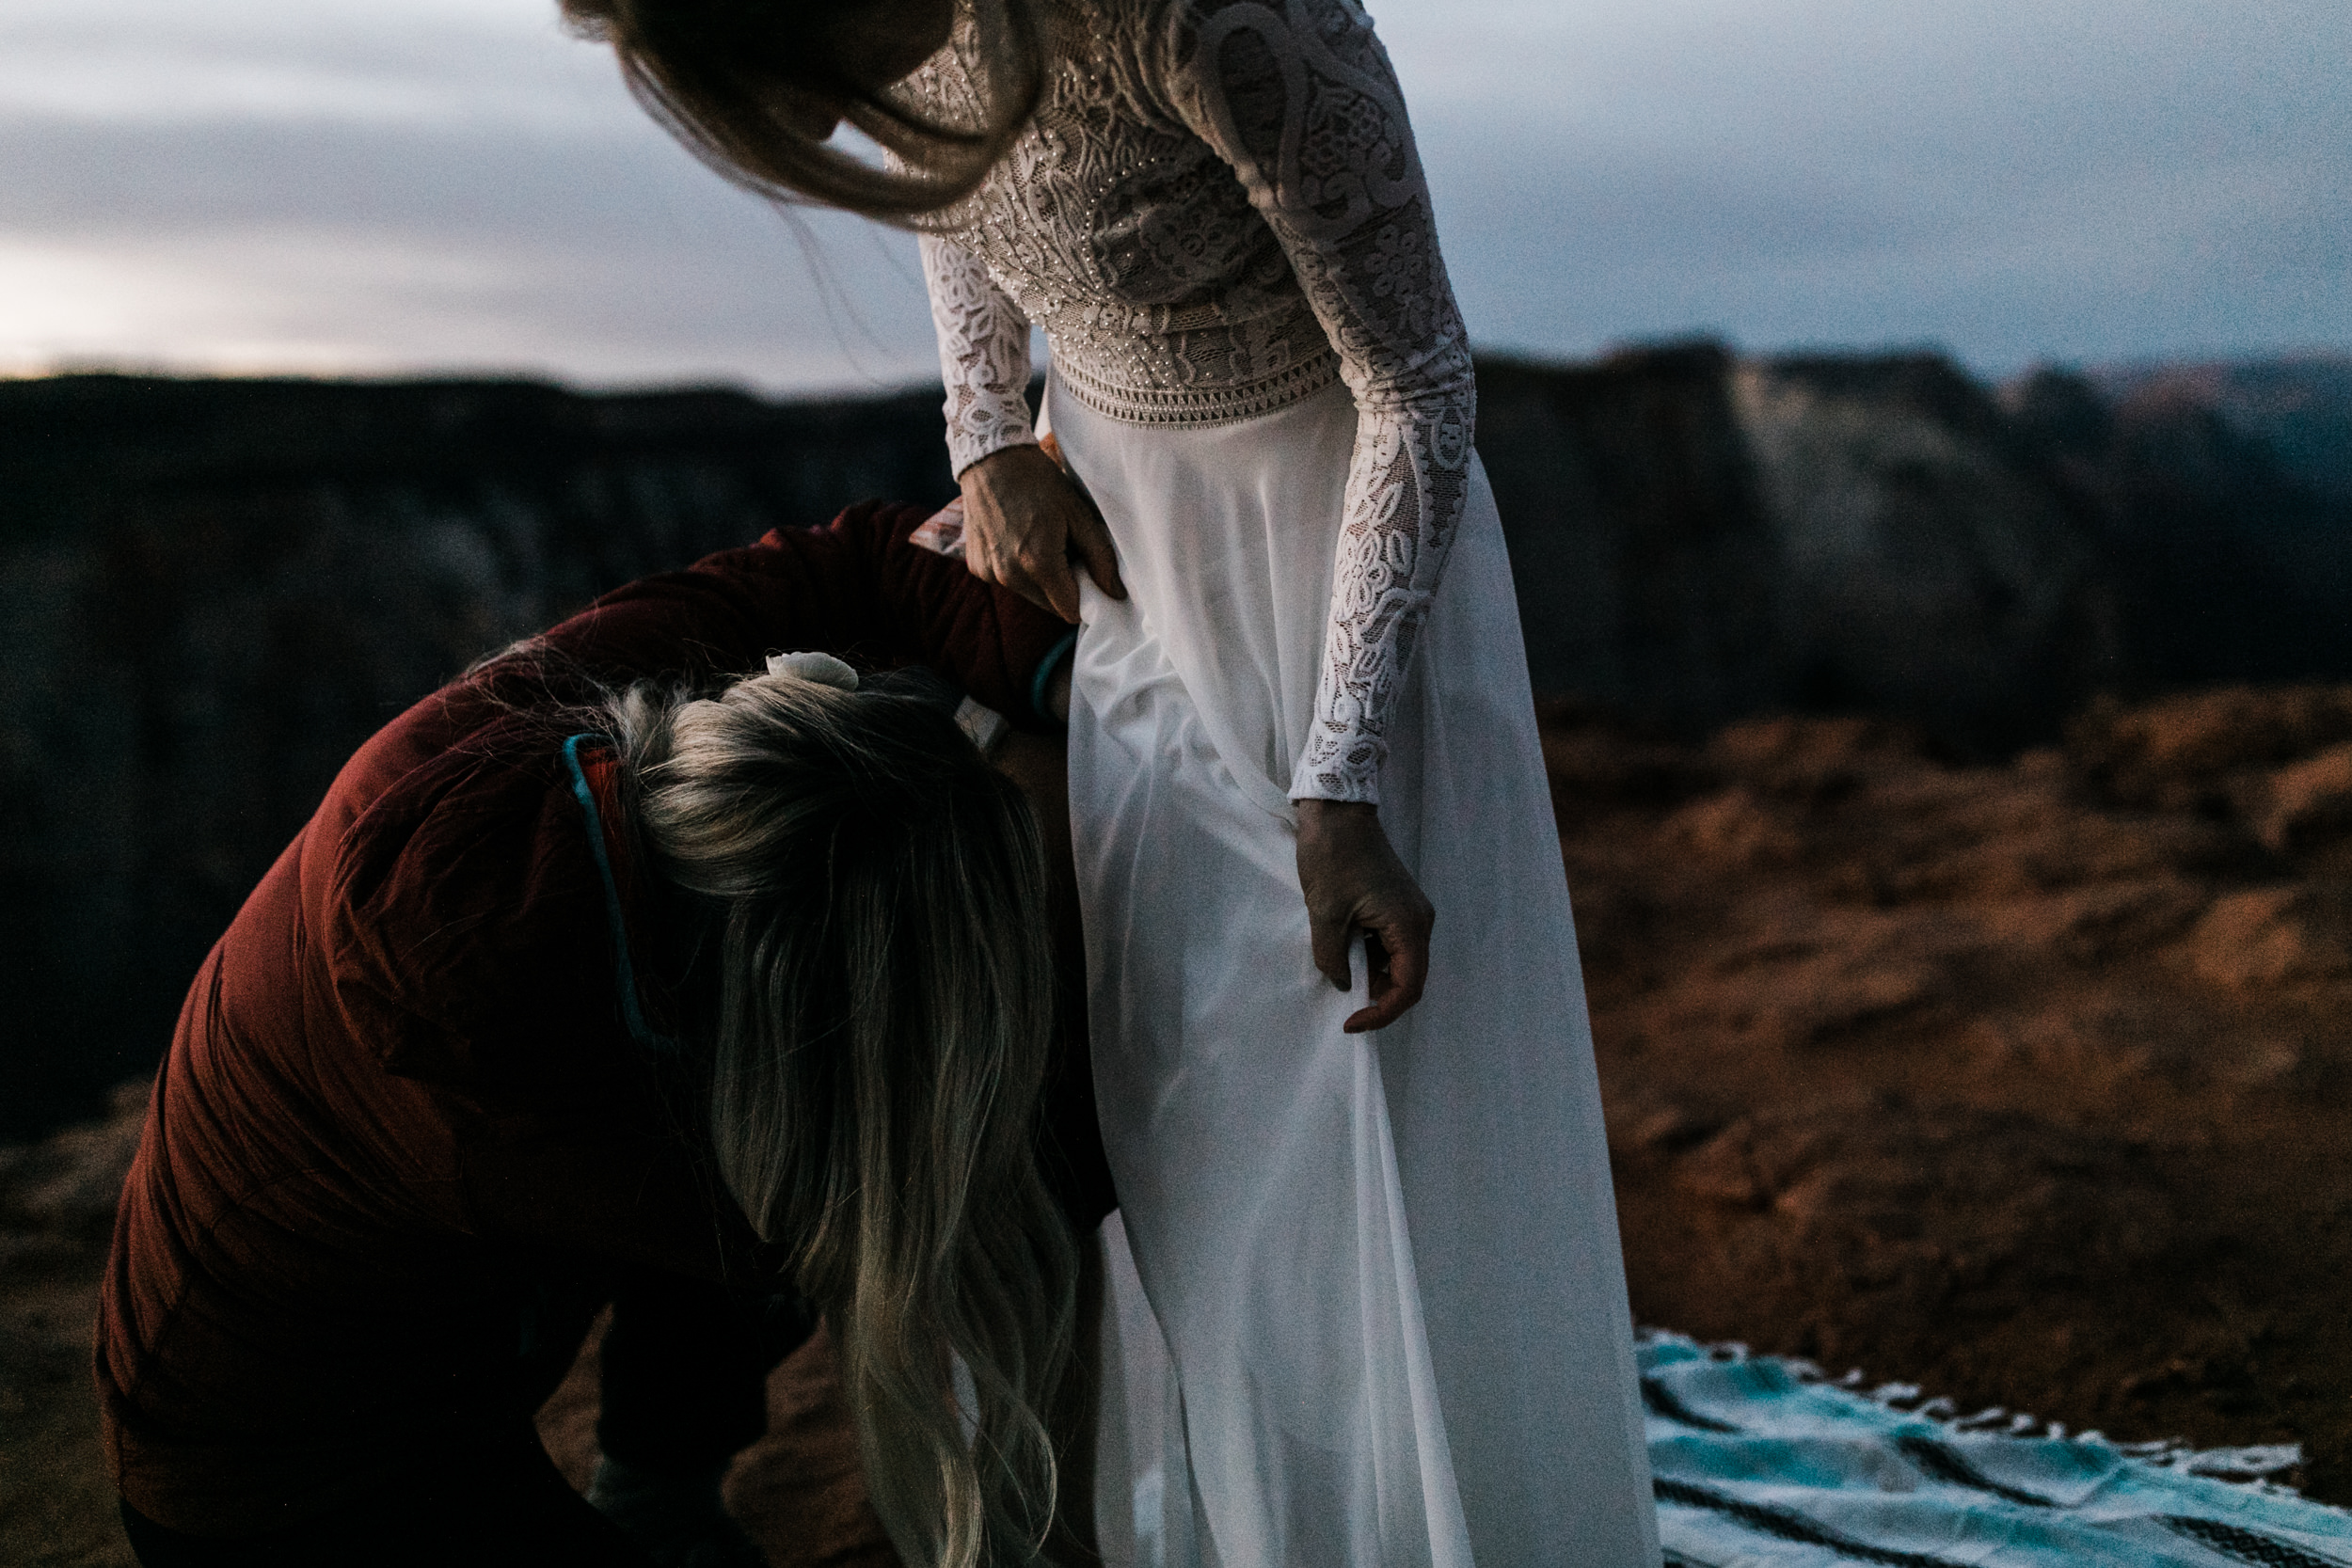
pixel 823 668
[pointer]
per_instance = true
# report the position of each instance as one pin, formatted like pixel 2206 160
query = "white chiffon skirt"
pixel 1370 1305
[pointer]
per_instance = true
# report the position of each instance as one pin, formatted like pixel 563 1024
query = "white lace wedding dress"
pixel 1375 1311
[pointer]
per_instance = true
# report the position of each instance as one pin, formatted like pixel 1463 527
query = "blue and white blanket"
pixel 1760 1464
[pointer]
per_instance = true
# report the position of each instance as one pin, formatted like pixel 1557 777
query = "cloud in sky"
pixel 2015 178
pixel 337 185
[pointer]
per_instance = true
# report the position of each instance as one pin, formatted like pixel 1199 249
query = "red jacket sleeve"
pixel 856 588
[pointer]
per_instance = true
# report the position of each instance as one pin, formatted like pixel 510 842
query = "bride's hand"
pixel 1353 883
pixel 1022 521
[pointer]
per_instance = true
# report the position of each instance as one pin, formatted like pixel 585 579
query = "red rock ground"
pixel 2022 1083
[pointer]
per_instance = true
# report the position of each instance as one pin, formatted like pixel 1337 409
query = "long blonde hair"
pixel 872 900
pixel 719 76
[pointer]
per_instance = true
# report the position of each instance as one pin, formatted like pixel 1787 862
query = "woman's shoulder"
pixel 1161 20
pixel 1206 61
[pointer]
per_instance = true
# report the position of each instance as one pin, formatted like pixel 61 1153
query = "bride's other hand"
pixel 1354 882
pixel 1022 520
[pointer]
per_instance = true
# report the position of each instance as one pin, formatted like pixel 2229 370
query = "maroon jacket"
pixel 404 1074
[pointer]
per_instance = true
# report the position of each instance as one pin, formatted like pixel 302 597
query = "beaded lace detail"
pixel 1217 210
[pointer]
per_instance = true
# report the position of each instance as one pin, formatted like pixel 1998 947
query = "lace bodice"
pixel 1217 210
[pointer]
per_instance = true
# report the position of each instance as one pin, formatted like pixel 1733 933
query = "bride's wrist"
pixel 1009 459
pixel 1319 818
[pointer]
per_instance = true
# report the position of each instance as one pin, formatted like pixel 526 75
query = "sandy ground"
pixel 2024 1084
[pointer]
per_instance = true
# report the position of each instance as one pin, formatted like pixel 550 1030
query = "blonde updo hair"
pixel 871 896
pixel 720 76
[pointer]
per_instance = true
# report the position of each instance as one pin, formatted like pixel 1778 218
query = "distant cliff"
pixel 1697 538
pixel 210 591
pixel 2222 495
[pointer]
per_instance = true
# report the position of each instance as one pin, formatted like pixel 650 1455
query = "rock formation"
pixel 2221 498
pixel 1697 538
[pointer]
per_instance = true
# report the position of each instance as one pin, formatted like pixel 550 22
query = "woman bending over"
pixel 642 964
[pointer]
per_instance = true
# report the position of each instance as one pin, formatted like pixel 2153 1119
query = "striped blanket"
pixel 1761 1464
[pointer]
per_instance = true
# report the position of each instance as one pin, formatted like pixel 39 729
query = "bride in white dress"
pixel 1383 1315
pixel 1371 1305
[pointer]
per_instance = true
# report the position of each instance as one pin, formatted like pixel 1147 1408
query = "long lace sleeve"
pixel 1299 97
pixel 983 354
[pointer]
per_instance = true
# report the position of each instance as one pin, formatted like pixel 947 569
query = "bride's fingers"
pixel 1329 936
pixel 988 555
pixel 1038 562
pixel 1092 540
pixel 1409 965
pixel 1010 575
pixel 980 557
pixel 1398 975
pixel 1059 585
pixel 1024 571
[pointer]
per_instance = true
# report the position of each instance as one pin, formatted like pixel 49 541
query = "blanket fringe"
pixel 2251 1467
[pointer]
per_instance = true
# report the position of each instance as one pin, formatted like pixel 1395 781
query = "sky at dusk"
pixel 334 186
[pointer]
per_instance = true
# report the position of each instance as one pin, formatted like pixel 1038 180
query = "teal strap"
pixel 1044 676
pixel 632 1014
